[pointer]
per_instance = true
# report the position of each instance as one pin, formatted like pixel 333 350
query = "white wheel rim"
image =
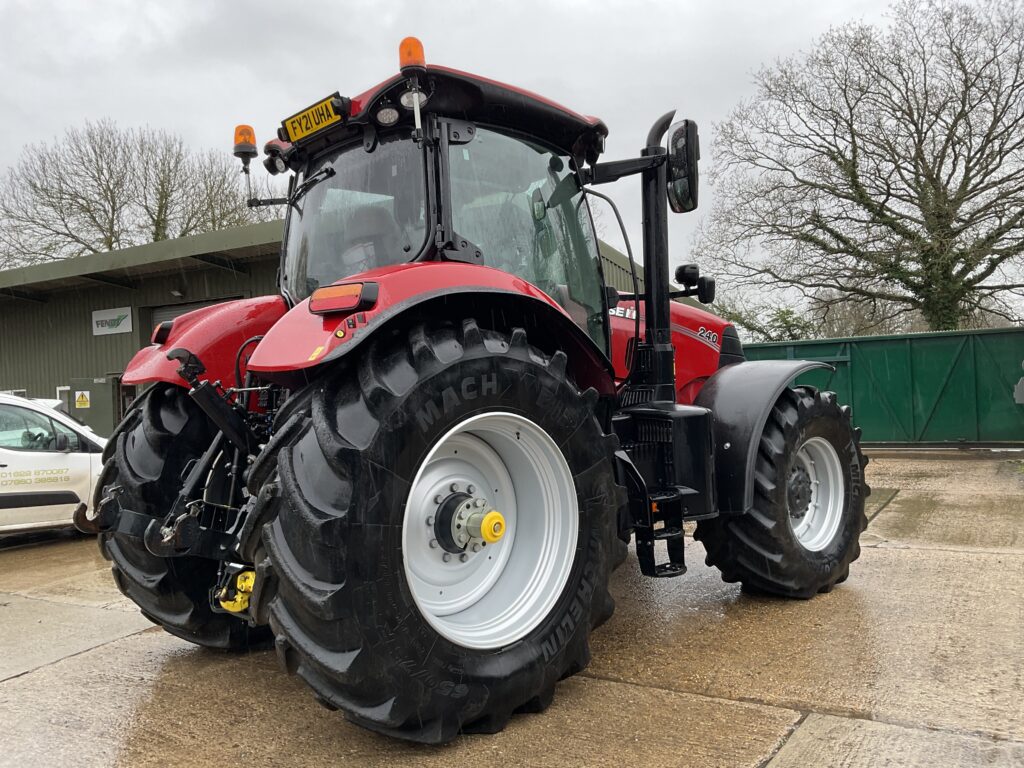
pixel 496 595
pixel 815 526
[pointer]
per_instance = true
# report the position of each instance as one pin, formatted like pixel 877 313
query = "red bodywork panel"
pixel 302 341
pixel 213 334
pixel 696 336
pixel 298 340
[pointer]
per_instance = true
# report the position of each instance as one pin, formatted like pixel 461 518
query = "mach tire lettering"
pixel 470 388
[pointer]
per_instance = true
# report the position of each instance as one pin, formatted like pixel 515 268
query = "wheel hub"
pixel 799 492
pixel 465 522
pixel 816 493
pixel 445 531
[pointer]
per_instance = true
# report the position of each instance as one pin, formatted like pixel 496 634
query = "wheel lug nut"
pixel 471 489
pixel 430 520
pixel 438 499
pixel 463 557
pixel 481 502
pixel 433 543
pixel 476 547
pixel 446 557
pixel 453 487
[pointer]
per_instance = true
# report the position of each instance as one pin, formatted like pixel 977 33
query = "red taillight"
pixel 349 297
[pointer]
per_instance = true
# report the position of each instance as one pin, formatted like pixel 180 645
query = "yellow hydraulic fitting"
pixel 244 583
pixel 492 527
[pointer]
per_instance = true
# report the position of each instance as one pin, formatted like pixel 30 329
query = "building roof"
pixel 228 249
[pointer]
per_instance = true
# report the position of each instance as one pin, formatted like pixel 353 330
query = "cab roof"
pixel 465 96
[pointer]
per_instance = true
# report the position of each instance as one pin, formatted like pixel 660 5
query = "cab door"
pixel 40 485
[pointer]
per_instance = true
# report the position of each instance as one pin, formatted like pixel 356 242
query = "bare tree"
pixel 70 198
pixel 160 185
pixel 885 167
pixel 830 315
pixel 758 321
pixel 218 197
pixel 101 188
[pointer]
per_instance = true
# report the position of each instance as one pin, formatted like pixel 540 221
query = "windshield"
pixel 369 213
pixel 521 205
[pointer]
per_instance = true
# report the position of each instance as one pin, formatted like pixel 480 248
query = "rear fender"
pixel 213 334
pixel 741 397
pixel 295 350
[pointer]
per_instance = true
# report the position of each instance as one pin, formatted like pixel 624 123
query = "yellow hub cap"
pixel 492 528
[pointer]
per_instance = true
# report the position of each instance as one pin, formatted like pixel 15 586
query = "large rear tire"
pixel 424 416
pixel 145 458
pixel 804 529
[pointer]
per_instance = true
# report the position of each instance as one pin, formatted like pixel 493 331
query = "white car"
pixel 49 464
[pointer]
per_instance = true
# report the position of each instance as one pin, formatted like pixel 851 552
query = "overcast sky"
pixel 199 67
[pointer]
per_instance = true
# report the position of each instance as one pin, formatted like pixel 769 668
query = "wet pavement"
pixel 917 660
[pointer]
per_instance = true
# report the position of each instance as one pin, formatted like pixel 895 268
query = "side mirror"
pixel 705 290
pixel 694 284
pixel 60 442
pixel 683 155
pixel 540 209
pixel 687 275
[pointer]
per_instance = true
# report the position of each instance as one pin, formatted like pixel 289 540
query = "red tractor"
pixel 416 467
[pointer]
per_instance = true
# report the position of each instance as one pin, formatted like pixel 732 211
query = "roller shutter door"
pixel 171 311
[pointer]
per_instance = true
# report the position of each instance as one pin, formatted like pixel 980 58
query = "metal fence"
pixel 923 388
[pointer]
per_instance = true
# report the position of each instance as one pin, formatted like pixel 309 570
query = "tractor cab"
pixel 470 171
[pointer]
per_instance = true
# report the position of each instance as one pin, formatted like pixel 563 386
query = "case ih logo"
pixel 112 323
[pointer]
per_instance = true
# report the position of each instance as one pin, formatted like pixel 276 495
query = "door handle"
pixel 3 466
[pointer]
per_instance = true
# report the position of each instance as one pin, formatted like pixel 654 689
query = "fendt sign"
pixel 107 321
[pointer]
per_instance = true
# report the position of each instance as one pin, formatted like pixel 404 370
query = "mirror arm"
pixel 604 173
pixel 255 202
pixel 661 125
pixel 704 291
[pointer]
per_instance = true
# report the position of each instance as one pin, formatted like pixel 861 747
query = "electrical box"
pixel 95 402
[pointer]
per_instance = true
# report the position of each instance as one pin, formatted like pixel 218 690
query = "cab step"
pixel 663 522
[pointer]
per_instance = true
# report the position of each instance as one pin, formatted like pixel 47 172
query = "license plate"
pixel 307 122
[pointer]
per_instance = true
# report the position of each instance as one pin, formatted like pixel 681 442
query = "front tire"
pixel 804 529
pixel 423 415
pixel 144 459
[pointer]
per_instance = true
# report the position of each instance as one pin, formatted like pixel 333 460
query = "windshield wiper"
pixel 324 173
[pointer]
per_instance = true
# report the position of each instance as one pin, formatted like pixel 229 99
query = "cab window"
pixel 520 203
pixel 25 430
pixel 370 213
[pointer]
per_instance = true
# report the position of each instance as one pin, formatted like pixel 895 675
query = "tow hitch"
pixel 239 582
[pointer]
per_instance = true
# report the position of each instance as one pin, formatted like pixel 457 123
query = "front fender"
pixel 741 397
pixel 213 334
pixel 303 342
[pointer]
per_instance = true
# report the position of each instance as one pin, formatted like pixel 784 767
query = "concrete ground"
pixel 917 660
